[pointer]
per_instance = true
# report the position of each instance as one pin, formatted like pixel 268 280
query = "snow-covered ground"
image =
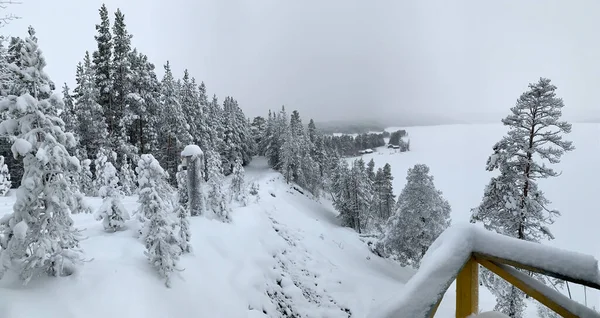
pixel 286 252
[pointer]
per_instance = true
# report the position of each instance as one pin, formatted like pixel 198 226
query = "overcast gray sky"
pixel 346 59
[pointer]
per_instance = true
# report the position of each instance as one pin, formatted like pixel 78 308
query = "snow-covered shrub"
pixel 112 213
pixel 254 187
pixel 5 182
pixel 160 238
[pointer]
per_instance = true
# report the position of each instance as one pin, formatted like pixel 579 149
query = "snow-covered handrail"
pixel 459 251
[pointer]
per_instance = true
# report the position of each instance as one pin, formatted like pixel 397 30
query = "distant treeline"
pixel 347 145
pixel 330 128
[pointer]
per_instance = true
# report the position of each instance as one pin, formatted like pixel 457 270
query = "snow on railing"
pixel 461 249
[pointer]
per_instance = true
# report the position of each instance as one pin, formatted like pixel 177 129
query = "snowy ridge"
pixel 448 254
pixel 283 256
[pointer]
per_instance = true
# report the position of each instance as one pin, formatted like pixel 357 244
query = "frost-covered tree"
pixel 100 179
pixel 182 189
pixel 352 192
pixel 154 190
pixel 421 215
pixel 69 114
pixel 183 229
pixel 103 70
pixel 5 182
pixel 174 131
pixel 512 203
pixel 217 200
pixel 143 105
pixel 38 236
pixel 237 188
pixel 112 213
pixel 127 177
pixel 86 179
pixel 383 198
pixel 92 129
pixel 159 235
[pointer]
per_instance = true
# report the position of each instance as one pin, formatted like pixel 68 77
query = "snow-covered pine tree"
pixel 352 193
pixel 122 85
pixel 86 178
pixel 190 105
pixel 93 133
pixel 153 178
pixel 112 213
pixel 386 192
pixel 182 189
pixel 100 179
pixel 5 183
pixel 183 229
pixel 103 70
pixel 155 211
pixel 237 188
pixel 421 215
pixel 39 235
pixel 69 114
pixel 371 170
pixel 144 104
pixel 127 177
pixel 512 203
pixel 257 130
pixel 173 131
pixel 217 201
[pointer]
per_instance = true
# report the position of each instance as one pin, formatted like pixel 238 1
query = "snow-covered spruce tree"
pixel 5 182
pixel 182 189
pixel 92 129
pixel 512 204
pixel 103 70
pixel 237 188
pixel 38 236
pixel 352 193
pixel 183 229
pixel 143 104
pixel 173 132
pixel 127 177
pixel 86 178
pixel 112 213
pixel 421 215
pixel 100 179
pixel 159 235
pixel 217 201
pixel 121 80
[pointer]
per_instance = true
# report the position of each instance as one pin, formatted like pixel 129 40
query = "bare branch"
pixel 9 17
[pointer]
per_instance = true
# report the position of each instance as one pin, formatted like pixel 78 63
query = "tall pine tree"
pixel 513 204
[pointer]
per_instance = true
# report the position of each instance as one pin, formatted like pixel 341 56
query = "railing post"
pixel 467 289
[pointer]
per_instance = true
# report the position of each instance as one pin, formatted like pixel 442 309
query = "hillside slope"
pixel 283 256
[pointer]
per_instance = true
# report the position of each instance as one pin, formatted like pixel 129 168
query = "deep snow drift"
pixel 287 253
